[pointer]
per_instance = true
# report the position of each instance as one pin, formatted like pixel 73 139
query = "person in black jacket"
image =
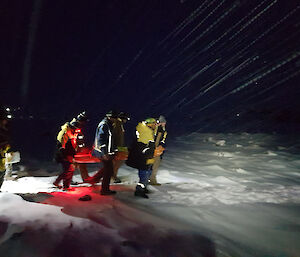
pixel 119 141
pixel 141 154
pixel 105 149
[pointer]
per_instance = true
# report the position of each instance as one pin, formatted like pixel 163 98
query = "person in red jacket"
pixel 66 149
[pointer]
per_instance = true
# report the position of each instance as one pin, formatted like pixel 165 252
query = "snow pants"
pixel 106 173
pixel 83 171
pixel 144 176
pixel 66 175
pixel 116 165
pixel 155 169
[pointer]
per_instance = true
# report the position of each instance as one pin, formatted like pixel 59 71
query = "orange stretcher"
pixel 86 158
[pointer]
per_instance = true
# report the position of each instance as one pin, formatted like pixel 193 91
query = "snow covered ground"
pixel 221 195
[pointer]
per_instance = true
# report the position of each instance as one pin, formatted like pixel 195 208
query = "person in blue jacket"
pixel 104 149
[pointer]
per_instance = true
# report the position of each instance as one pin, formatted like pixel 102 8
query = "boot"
pixel 141 194
pixel 117 180
pixel 57 185
pixel 154 183
pixel 109 192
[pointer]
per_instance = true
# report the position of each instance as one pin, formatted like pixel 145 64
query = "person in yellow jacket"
pixel 141 154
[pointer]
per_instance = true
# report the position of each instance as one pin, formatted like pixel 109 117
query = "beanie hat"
pixel 123 116
pixel 81 117
pixel 162 119
pixel 112 114
pixel 150 120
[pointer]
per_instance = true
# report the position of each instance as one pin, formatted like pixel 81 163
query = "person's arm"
pixel 148 150
pixel 102 141
pixel 163 140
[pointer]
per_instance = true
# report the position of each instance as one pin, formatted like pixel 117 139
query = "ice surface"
pixel 242 198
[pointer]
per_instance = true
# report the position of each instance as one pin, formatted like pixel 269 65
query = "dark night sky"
pixel 207 65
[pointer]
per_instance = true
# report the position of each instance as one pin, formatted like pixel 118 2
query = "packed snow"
pixel 221 195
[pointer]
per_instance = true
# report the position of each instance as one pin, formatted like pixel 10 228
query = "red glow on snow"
pixel 71 205
pixel 71 197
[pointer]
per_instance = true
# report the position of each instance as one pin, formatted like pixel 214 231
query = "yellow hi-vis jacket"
pixel 145 135
pixel 65 135
pixel 3 151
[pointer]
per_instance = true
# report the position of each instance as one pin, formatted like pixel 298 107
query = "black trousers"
pixel 106 173
pixel 66 175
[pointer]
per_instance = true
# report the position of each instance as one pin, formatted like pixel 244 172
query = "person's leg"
pixel 149 172
pixel 107 174
pixel 61 175
pixel 140 189
pixel 96 177
pixel 116 165
pixel 99 175
pixel 2 174
pixel 155 167
pixel 68 174
pixel 83 171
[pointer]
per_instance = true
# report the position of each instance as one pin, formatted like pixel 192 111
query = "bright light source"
pixel 7 109
pixel 238 114
pixel 9 116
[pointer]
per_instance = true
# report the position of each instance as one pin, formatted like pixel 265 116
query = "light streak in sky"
pixel 245 85
pixel 127 68
pixel 223 78
pixel 239 53
pixel 194 77
pixel 269 29
pixel 203 20
pixel 266 73
pixel 233 59
pixel 186 22
pixel 197 39
pixel 253 19
pixel 211 26
pixel 176 31
pixel 232 72
pixel 231 28
pixel 276 84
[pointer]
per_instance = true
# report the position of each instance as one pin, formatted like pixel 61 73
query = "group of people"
pixel 109 148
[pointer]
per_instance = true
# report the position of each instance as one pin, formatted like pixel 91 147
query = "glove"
pixel 158 151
